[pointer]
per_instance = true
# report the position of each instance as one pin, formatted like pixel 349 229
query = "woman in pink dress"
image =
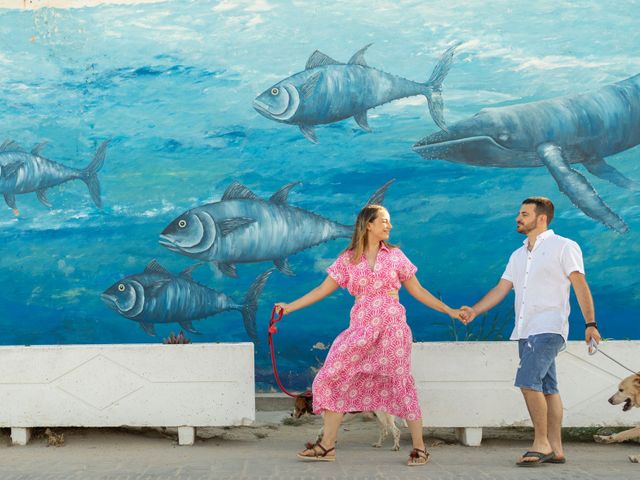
pixel 368 367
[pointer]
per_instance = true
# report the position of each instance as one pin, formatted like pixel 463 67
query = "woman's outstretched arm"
pixel 424 296
pixel 325 288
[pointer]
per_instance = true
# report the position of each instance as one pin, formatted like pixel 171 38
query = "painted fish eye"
pixel 275 91
pixel 121 287
pixel 182 223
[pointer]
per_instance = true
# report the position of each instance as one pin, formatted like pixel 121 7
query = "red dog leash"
pixel 275 318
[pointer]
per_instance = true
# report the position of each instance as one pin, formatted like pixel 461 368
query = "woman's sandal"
pixel 317 456
pixel 418 457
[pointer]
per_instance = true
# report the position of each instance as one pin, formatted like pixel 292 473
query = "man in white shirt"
pixel 541 273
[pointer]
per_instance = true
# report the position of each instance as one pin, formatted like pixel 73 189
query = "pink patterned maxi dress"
pixel 369 364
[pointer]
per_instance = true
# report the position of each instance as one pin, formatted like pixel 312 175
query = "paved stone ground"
pixel 267 451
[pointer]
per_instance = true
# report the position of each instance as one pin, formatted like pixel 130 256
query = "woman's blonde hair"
pixel 360 233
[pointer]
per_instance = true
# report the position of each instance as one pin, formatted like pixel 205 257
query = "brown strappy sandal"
pixel 322 456
pixel 418 457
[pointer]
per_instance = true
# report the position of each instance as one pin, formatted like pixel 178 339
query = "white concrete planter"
pixel 193 385
pixel 469 385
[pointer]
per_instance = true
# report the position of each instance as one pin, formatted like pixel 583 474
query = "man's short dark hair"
pixel 543 206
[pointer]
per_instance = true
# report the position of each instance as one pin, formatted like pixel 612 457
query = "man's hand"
pixel 592 333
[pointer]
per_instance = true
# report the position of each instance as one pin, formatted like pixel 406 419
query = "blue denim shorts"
pixel 537 369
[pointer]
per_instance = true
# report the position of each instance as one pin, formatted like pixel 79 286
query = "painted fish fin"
pixel 434 86
pixel 155 267
pixel 358 57
pixel 187 272
pixel 250 306
pixel 229 269
pixel 282 264
pixel 90 173
pixel 598 167
pixel 10 198
pixel 42 196
pixel 281 195
pixel 378 196
pixel 309 86
pixel 228 225
pixel 36 149
pixel 10 146
pixel 186 324
pixel 309 132
pixel 148 328
pixel 361 119
pixel 317 59
pixel 575 186
pixel 11 169
pixel 155 287
pixel 238 191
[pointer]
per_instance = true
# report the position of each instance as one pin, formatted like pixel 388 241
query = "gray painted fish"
pixel 27 172
pixel 328 91
pixel 158 296
pixel 242 228
pixel 553 133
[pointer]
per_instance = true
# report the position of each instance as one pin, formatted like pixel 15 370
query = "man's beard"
pixel 525 228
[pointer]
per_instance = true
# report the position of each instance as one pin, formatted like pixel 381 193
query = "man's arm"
pixel 585 300
pixel 490 300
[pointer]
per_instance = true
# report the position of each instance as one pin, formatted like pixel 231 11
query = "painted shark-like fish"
pixel 328 91
pixel 27 172
pixel 158 296
pixel 556 134
pixel 242 228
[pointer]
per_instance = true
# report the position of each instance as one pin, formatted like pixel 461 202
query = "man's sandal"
pixel 418 457
pixel 317 456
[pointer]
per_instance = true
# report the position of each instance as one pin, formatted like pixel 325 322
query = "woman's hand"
pixel 282 307
pixel 458 314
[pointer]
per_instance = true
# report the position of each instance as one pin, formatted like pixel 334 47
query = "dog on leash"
pixel 629 394
pixel 303 405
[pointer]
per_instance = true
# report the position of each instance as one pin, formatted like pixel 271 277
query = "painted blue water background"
pixel 171 84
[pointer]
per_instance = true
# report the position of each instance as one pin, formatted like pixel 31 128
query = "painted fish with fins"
pixel 158 296
pixel 27 172
pixel 556 134
pixel 328 91
pixel 242 228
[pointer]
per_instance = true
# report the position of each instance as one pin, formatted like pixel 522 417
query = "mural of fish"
pixel 27 172
pixel 553 133
pixel 328 91
pixel 242 228
pixel 158 296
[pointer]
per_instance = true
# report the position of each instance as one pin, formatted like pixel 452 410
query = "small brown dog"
pixel 629 394
pixel 303 405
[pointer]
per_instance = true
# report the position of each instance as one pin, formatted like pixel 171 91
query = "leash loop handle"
pixel 276 316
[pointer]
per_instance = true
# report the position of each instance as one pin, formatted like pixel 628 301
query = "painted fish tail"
pixel 433 86
pixel 90 174
pixel 250 306
pixel 378 196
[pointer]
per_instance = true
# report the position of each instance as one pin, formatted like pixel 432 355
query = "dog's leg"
pixel 618 437
pixel 634 458
pixel 382 426
pixel 395 431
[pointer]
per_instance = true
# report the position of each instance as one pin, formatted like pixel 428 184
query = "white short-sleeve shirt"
pixel 541 284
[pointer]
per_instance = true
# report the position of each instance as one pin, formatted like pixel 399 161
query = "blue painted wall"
pixel 171 86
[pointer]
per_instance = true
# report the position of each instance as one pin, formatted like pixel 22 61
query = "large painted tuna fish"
pixel 242 228
pixel 27 172
pixel 555 134
pixel 158 296
pixel 328 91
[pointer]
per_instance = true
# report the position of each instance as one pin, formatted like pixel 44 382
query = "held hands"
pixel 467 314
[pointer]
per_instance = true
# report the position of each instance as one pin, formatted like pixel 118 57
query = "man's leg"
pixel 538 411
pixel 554 423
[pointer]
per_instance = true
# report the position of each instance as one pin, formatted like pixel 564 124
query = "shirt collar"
pixel 540 238
pixel 383 247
